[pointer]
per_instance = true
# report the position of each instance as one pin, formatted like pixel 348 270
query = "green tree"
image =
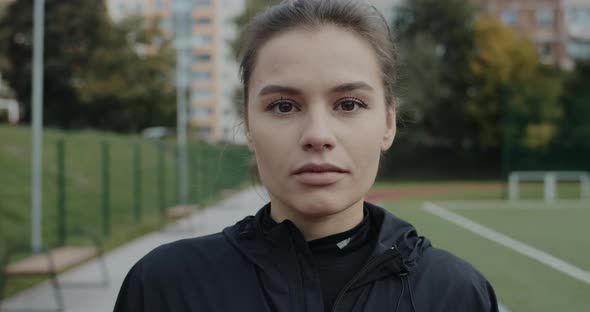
pixel 72 32
pixel 509 86
pixel 127 83
pixel 575 127
pixel 96 74
pixel 435 40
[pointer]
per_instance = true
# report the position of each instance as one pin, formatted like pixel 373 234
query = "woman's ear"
pixel 390 128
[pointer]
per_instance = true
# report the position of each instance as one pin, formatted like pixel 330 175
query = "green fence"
pixel 115 186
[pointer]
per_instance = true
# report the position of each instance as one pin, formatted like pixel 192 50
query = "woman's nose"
pixel 317 134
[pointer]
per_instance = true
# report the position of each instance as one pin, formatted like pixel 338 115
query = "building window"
pixel 201 75
pixel 202 3
pixel 202 58
pixel 545 17
pixel 545 50
pixel 199 40
pixel 201 112
pixel 202 94
pixel 203 21
pixel 579 50
pixel 572 15
pixel 510 17
pixel 579 15
pixel 206 39
pixel 585 17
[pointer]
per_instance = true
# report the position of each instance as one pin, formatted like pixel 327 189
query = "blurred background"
pixel 142 113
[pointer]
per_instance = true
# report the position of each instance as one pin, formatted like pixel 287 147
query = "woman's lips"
pixel 319 178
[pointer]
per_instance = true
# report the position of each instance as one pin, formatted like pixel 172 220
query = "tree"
pixel 127 83
pixel 508 85
pixel 72 32
pixel 96 74
pixel 575 127
pixel 435 40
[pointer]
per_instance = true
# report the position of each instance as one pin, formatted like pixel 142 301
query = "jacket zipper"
pixel 358 275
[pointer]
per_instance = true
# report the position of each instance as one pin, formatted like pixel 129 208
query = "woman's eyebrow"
pixel 351 86
pixel 345 87
pixel 270 89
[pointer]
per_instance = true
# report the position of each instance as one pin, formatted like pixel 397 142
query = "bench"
pixel 179 212
pixel 51 262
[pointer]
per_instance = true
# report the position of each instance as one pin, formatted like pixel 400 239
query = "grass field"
pixel 522 283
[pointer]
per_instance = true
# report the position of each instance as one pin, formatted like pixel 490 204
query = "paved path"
pixel 120 260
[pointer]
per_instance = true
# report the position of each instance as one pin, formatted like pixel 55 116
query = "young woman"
pixel 319 112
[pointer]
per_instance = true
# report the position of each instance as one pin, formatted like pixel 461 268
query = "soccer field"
pixel 536 255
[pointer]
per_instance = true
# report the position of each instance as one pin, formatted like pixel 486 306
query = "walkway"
pixel 120 260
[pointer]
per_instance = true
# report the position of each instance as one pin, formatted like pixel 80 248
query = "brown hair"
pixel 355 15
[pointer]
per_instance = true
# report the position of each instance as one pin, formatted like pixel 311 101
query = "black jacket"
pixel 245 268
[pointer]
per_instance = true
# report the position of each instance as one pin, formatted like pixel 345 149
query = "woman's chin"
pixel 318 207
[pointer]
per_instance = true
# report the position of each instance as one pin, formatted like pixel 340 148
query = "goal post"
pixel 550 180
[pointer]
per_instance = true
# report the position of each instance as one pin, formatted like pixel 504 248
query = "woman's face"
pixel 317 120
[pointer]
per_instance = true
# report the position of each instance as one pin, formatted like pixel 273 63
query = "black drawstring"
pixel 401 295
pixel 411 296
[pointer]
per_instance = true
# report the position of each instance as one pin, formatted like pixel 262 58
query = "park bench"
pixel 51 262
pixel 178 212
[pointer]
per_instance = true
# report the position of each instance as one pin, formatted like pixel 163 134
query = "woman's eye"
pixel 283 107
pixel 350 105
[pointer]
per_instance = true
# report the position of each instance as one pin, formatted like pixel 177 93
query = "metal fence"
pixel 118 187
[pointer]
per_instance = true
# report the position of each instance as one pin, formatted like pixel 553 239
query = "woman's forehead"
pixel 327 56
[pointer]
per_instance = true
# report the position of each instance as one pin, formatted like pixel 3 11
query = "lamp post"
pixel 37 148
pixel 182 32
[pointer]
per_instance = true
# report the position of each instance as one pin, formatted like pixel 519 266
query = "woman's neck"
pixel 314 227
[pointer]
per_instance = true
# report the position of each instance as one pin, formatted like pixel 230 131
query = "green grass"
pixel 521 283
pixel 83 182
pixel 212 168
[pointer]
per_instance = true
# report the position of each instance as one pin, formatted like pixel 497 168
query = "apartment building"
pixel 577 25
pixel 542 21
pixel 213 71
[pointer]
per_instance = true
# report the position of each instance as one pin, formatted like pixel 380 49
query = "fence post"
pixel 106 205
pixel 585 186
pixel 137 182
pixel 206 177
pixel 550 184
pixel 177 172
pixel 194 174
pixel 161 179
pixel 61 193
pixel 513 186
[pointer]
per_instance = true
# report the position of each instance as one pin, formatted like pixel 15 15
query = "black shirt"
pixel 339 257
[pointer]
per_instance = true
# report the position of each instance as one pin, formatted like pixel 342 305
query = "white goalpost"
pixel 550 180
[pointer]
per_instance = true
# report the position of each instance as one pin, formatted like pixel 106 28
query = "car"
pixel 155 133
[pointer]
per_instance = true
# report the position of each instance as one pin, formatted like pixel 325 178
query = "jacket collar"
pixel 396 237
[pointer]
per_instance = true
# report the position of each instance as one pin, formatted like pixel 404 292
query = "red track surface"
pixel 420 191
